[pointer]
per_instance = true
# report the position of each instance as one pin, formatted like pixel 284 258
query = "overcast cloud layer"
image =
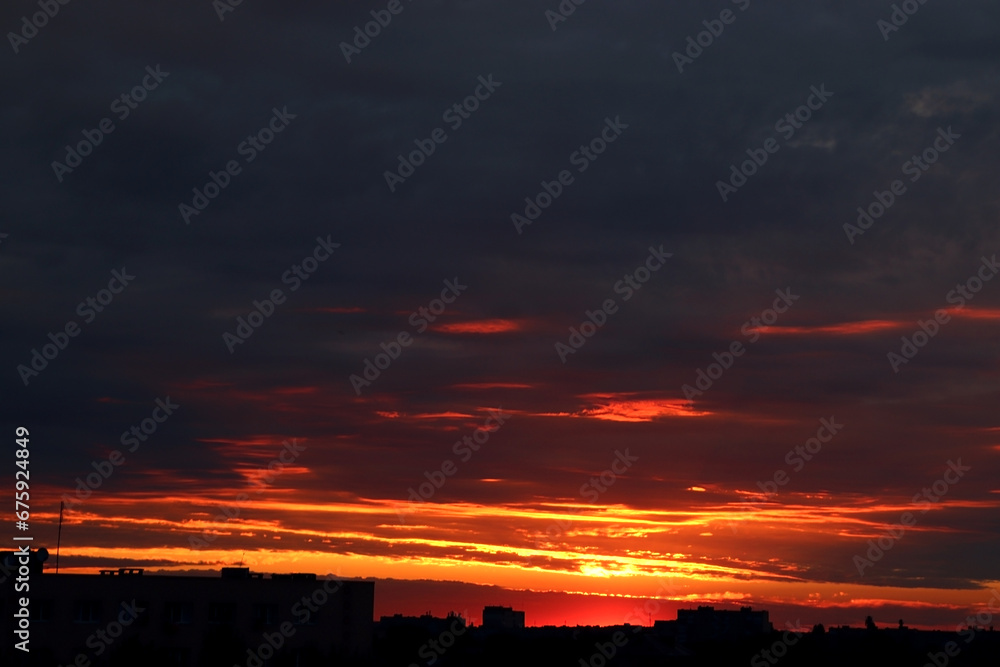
pixel 688 503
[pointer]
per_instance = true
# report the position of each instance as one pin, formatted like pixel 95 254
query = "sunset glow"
pixel 563 307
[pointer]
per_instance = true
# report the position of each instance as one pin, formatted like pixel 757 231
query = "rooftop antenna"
pixel 241 557
pixel 59 535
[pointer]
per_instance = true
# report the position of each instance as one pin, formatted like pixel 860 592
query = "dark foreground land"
pixel 591 647
pixel 643 647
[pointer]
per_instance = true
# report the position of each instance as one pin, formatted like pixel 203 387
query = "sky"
pixel 599 313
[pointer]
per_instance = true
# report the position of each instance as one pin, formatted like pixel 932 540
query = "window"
pixel 143 607
pixel 40 610
pixel 179 657
pixel 312 620
pixel 180 612
pixel 86 611
pixel 221 612
pixel 266 613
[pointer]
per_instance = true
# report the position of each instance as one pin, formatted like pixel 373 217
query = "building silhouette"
pixel 502 618
pixel 711 624
pixel 239 617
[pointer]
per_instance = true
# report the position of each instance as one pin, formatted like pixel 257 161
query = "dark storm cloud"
pixel 323 176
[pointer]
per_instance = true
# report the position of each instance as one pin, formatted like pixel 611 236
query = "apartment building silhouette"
pixel 235 618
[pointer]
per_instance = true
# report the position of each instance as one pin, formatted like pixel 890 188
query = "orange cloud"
pixel 621 408
pixel 480 327
pixel 442 415
pixel 843 329
pixel 863 327
pixel 238 444
pixel 976 313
